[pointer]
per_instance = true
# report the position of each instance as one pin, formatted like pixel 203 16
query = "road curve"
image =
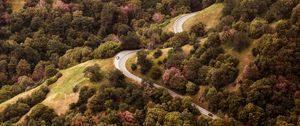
pixel 122 57
pixel 178 25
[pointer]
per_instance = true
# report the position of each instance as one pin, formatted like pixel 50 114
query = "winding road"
pixel 122 57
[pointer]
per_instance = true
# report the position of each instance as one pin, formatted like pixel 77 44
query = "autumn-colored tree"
pixel 23 68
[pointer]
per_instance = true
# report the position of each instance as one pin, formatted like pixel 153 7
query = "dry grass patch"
pixel 17 4
pixel 209 16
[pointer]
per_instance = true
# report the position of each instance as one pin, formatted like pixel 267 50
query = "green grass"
pixel 210 16
pixel 61 93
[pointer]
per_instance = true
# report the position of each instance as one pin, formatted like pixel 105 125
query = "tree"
pixel 191 88
pixel 130 41
pixel 252 114
pixel 42 113
pixel 39 72
pixel 281 9
pixel 81 23
pixel 155 73
pixel 229 5
pixel 157 53
pixel 252 8
pixel 23 68
pixel 240 41
pixel 108 14
pixel 178 83
pixel 173 118
pixel 93 73
pixel 50 70
pixel 116 77
pixel 143 61
pixel 198 29
pixel 295 17
pixel 251 72
pixel 190 69
pixel 258 27
pixel 175 59
pixel 107 49
pixel 55 45
pixel 224 75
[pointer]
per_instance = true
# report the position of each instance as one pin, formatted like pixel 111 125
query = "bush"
pixel 107 49
pixel 198 29
pixel 240 41
pixel 157 53
pixel 93 73
pixel 54 79
pixel 191 88
pixel 145 63
pixel 51 70
pixel 159 62
pixel 155 73
pixel 133 67
pixel 258 27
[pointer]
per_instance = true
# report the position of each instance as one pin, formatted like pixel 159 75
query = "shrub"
pixel 240 41
pixel 191 88
pixel 155 73
pixel 50 70
pixel 116 78
pixel 107 49
pixel 157 53
pixel 145 63
pixel 54 79
pixel 93 73
pixel 198 29
pixel 133 67
pixel 75 88
pixel 159 62
pixel 258 27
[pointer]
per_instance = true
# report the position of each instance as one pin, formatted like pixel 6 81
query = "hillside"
pixel 210 17
pixel 149 63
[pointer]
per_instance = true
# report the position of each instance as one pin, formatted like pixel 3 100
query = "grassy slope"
pixel 209 16
pixel 61 93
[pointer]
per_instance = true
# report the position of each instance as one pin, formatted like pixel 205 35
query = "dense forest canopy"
pixel 47 36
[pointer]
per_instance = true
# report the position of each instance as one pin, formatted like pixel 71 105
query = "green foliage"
pixel 93 73
pixel 281 9
pixel 76 55
pixel 155 73
pixel 254 114
pixel 142 60
pixel 157 53
pixel 107 49
pixel 133 67
pixel 53 79
pixel 84 94
pixel 224 75
pixel 198 29
pixel 116 78
pixel 15 111
pixel 191 88
pixel 258 27
pixel 23 68
pixel 178 40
